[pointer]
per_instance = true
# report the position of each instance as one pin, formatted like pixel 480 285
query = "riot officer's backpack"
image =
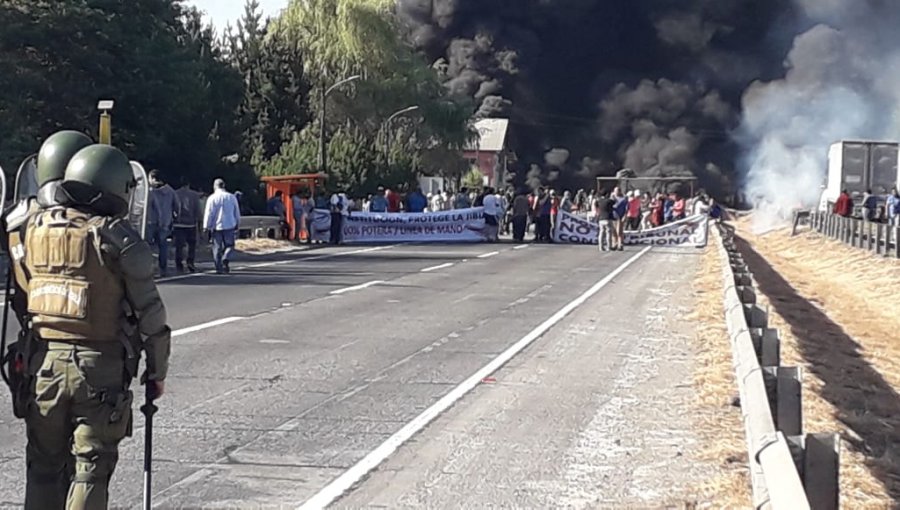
pixel 73 293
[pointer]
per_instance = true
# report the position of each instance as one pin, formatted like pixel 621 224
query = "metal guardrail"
pixel 788 470
pixel 879 238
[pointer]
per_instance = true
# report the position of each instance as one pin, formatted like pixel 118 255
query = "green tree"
pixel 174 96
pixel 339 38
pixel 273 106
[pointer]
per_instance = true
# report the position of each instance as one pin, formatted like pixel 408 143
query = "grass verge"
pixel 839 319
pixel 718 425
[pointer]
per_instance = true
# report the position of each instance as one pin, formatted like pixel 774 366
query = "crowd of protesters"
pixel 176 213
pixel 510 211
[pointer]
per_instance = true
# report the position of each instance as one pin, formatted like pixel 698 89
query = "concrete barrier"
pixel 267 227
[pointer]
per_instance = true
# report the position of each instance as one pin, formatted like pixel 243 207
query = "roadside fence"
pixel 789 470
pixel 879 238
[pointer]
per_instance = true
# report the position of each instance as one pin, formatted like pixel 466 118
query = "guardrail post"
pixel 757 317
pixel 861 233
pixel 817 457
pixel 888 237
pixel 743 278
pixel 880 240
pixel 767 342
pixel 747 294
pixel 785 395
pixel 897 241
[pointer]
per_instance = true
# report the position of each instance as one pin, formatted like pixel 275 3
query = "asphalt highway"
pixel 296 374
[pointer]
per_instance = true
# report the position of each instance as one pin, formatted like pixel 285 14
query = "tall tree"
pixel 274 104
pixel 339 38
pixel 153 57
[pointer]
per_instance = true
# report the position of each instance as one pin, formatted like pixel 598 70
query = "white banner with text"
pixel 693 231
pixel 461 225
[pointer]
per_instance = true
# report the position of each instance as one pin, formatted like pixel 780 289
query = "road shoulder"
pixel 596 413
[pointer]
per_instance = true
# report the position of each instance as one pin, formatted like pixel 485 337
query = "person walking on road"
pixel 221 220
pixel 187 218
pixel 160 218
pixel 609 233
pixel 84 343
pixel 520 211
pixel 620 212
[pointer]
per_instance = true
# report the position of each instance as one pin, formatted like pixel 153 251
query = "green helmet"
pixel 100 176
pixel 55 154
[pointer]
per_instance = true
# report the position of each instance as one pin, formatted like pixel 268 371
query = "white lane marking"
pixel 489 255
pixel 331 492
pixel 354 252
pixel 435 268
pixel 356 287
pixel 521 247
pixel 277 262
pixel 206 325
pixel 273 341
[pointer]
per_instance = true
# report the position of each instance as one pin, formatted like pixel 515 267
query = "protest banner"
pixel 693 231
pixel 460 225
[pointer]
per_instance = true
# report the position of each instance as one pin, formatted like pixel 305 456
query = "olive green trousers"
pixel 80 411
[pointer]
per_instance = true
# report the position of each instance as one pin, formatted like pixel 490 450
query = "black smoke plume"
pixel 594 86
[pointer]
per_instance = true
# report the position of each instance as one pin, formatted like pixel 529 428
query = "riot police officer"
pixel 53 157
pixel 88 281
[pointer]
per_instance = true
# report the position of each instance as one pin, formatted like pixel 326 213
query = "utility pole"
pixel 387 132
pixel 323 158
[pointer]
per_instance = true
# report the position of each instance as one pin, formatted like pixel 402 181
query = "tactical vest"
pixel 73 293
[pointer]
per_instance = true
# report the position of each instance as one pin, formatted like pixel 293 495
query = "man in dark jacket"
pixel 186 221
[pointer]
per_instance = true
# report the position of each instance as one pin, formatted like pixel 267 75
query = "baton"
pixel 149 409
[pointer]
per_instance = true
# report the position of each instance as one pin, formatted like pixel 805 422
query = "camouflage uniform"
pixel 88 281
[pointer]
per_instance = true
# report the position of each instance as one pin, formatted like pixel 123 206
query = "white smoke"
pixel 841 82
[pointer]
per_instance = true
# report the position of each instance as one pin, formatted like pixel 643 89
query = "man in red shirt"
pixel 844 205
pixel 634 210
pixel 393 199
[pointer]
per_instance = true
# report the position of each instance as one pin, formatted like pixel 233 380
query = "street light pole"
pixel 323 160
pixel 387 132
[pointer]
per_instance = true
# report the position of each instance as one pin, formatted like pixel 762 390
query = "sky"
pixel 222 12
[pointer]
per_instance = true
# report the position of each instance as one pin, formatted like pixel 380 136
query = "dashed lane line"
pixel 334 490
pixel 437 268
pixel 356 287
pixel 488 255
pixel 206 325
pixel 276 263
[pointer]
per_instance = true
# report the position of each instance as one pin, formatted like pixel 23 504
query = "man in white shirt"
pixel 222 219
pixel 491 214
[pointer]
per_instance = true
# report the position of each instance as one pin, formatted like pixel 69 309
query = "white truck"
pixel 858 166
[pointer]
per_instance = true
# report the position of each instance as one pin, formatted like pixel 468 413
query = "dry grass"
pixel 716 422
pixel 256 246
pixel 839 318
